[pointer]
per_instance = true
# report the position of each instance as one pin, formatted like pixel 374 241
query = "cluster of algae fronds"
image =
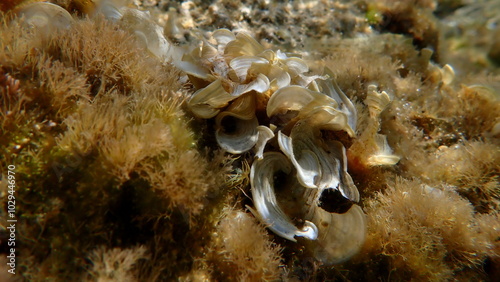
pixel 116 182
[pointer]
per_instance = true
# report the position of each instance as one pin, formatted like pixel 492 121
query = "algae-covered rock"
pixel 118 179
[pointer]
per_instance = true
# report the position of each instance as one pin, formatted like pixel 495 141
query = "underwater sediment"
pixel 214 141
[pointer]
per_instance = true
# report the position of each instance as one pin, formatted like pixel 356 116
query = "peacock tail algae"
pixel 113 168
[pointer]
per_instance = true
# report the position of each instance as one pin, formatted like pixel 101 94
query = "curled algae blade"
pixel 46 16
pixel 264 197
